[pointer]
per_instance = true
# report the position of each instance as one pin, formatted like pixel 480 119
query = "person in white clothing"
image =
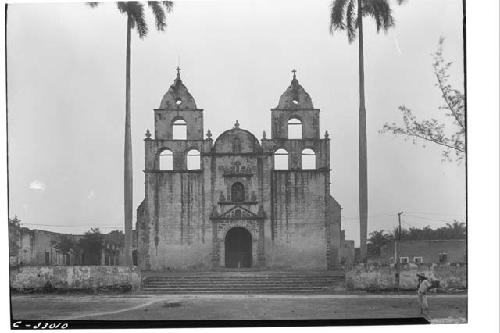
pixel 423 287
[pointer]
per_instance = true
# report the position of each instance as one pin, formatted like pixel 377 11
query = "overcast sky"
pixel 66 97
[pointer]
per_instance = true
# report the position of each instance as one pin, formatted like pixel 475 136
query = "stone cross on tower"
pixel 178 73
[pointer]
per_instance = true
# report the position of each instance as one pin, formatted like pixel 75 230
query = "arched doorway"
pixel 238 248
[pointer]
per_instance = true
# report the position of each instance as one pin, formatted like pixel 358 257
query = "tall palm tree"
pixel 347 15
pixel 456 229
pixel 135 13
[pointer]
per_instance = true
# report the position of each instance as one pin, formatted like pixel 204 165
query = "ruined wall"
pixel 75 278
pixel 37 247
pixel 333 233
pixel 429 250
pixel 298 233
pixel 368 277
pixel 347 252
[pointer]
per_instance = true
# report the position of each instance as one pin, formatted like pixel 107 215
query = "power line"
pixel 372 216
pixel 70 226
pixel 437 214
pixel 429 219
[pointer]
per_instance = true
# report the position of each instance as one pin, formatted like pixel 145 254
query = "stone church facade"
pixel 225 203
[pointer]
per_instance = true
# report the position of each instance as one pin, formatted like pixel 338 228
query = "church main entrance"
pixel 238 248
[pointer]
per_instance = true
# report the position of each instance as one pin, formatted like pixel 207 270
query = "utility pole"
pixel 397 242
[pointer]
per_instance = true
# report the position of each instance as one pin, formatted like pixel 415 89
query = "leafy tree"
pixel 116 237
pixel 347 15
pixel 91 245
pixel 433 130
pixel 376 240
pixel 65 244
pixel 379 238
pixel 455 230
pixel 135 13
pixel 14 229
pixel 114 243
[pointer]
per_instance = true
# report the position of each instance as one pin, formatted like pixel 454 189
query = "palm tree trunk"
pixel 127 190
pixel 363 186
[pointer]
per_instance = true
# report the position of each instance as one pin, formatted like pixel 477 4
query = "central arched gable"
pixel 237 141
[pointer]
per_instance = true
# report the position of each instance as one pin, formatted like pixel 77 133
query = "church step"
pixel 241 274
pixel 247 276
pixel 235 289
pixel 243 282
pixel 240 286
pixel 236 292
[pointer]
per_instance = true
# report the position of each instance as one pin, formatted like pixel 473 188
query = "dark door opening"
pixel 238 248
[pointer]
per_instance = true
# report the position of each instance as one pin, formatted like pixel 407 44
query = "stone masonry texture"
pixel 36 278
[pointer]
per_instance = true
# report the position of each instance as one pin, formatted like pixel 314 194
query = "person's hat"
pixel 421 275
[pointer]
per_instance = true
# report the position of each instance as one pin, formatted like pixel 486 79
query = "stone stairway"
pixel 264 282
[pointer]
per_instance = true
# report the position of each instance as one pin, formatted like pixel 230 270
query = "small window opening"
pixel 166 160
pixel 193 160
pixel 237 192
pixel 179 129
pixel 295 101
pixel 308 159
pixel 281 160
pixel 178 101
pixel 294 129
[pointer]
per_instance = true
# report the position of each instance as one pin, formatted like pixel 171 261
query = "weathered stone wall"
pixel 37 278
pixel 179 231
pixel 374 277
pixel 333 233
pixel 298 220
pixel 37 247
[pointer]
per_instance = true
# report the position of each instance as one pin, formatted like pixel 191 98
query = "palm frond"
pixel 93 4
pixel 122 7
pixel 136 11
pixel 337 14
pixel 159 14
pixel 169 5
pixel 380 11
pixel 351 21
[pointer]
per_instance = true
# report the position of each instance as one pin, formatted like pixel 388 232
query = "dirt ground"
pixel 443 308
